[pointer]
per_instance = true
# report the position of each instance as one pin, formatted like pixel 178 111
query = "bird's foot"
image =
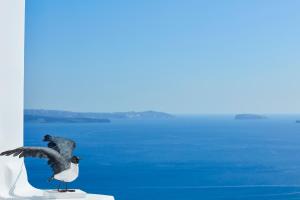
pixel 66 190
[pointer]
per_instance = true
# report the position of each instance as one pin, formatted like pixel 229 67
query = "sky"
pixel 176 56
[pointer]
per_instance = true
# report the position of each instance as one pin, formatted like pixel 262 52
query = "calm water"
pixel 187 158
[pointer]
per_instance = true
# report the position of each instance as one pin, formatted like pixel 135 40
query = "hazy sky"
pixel 178 56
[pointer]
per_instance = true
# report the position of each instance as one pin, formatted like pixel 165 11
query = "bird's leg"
pixel 67 190
pixel 58 186
pixel 63 190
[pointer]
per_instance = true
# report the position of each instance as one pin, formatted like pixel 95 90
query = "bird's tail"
pixel 50 178
pixel 47 138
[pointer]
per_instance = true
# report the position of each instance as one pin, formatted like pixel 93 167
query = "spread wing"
pixel 63 146
pixel 55 160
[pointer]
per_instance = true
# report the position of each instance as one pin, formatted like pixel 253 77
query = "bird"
pixel 59 153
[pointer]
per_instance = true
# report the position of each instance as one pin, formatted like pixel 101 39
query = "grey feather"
pixel 57 162
pixel 63 146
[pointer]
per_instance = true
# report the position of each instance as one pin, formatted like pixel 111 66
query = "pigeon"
pixel 60 157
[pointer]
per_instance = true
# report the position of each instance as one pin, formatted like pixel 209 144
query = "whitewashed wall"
pixel 13 178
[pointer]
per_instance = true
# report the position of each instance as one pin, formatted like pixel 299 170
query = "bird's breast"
pixel 69 174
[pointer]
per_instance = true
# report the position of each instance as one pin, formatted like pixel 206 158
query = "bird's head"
pixel 75 159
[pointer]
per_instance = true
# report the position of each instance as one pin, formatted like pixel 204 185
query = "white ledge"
pixel 78 194
pixel 54 194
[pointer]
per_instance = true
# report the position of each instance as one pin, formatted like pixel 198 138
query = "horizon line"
pixel 173 113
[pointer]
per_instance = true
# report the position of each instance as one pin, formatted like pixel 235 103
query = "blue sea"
pixel 185 158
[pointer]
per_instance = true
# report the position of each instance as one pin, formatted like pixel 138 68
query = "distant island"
pixel 54 116
pixel 45 119
pixel 298 121
pixel 249 117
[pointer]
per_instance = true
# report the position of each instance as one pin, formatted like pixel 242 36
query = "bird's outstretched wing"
pixel 55 160
pixel 62 145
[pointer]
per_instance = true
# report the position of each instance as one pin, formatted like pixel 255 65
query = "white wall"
pixel 12 170
pixel 11 71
